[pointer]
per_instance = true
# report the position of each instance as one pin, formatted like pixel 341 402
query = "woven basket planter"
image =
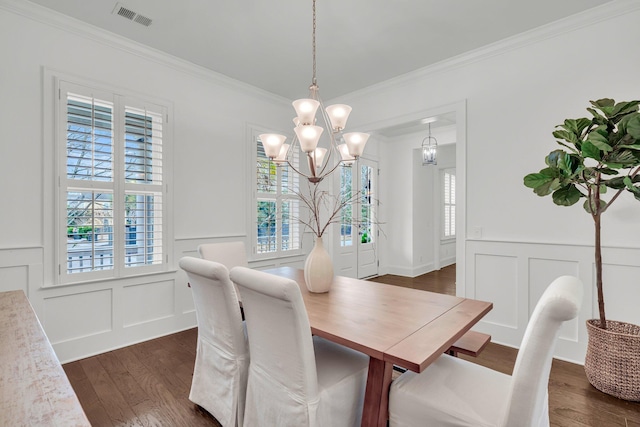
pixel 612 364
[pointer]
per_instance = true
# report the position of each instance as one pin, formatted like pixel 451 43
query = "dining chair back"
pixel 222 357
pixel 295 379
pixel 456 392
pixel 229 254
pixel 528 399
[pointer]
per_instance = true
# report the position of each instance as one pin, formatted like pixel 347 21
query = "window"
pixel 112 189
pixel 449 203
pixel 277 231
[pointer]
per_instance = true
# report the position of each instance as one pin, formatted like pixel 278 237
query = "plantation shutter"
pixel 89 161
pixel 143 198
pixel 278 207
pixel 449 202
pixel 112 190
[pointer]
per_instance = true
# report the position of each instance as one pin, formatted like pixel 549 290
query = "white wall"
pixel 211 189
pixel 516 92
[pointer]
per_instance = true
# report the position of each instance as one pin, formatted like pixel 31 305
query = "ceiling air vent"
pixel 141 19
pixel 131 15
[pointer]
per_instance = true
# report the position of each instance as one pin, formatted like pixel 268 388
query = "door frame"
pixel 460 109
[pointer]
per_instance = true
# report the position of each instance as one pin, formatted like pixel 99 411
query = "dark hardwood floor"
pixel 148 384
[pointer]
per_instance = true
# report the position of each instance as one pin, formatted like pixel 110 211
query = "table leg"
pixel 376 397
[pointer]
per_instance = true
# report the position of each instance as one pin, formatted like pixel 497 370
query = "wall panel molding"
pixel 536 266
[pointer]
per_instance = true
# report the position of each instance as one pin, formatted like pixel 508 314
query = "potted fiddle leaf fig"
pixel 599 161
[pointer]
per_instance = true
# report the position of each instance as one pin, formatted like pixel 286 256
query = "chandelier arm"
pixel 289 158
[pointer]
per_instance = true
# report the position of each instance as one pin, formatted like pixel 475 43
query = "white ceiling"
pixel 359 42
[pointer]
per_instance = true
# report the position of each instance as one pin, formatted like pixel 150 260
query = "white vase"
pixel 318 269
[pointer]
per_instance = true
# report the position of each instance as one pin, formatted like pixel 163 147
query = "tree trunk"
pixel 603 320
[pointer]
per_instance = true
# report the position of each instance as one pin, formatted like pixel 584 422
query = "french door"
pixel 356 242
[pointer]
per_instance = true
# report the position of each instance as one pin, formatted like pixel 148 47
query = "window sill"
pixel 270 257
pixel 131 278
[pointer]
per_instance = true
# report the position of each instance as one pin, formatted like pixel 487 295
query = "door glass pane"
pixel 346 213
pixel 366 207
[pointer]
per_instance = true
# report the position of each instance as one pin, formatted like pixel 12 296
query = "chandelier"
pixel 342 148
pixel 429 149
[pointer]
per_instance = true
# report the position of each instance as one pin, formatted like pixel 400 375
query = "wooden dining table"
pixel 399 326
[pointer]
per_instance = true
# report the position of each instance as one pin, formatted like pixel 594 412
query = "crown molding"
pixel 79 28
pixel 554 29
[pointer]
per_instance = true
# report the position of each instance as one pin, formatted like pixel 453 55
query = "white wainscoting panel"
pixel 541 273
pixel 499 274
pixel 20 269
pixel 74 316
pixel 513 275
pixel 139 309
pixel 14 278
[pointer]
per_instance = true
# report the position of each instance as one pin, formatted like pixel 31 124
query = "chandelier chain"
pixel 314 42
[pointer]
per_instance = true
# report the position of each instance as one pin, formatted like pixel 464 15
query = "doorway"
pixel 404 219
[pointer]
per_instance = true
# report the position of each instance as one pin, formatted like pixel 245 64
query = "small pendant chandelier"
pixel 429 150
pixel 342 148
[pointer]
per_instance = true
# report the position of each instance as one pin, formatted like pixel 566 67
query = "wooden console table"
pixel 34 389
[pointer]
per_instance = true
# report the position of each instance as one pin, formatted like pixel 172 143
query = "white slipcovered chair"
pixel 222 359
pixel 455 392
pixel 229 254
pixel 295 379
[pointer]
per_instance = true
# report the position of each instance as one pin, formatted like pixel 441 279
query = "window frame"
pixel 279 198
pixel 122 100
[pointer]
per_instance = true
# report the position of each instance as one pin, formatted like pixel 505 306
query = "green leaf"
pixel 552 158
pixel 627 182
pixel 600 138
pixel 546 188
pixel 591 151
pixel 622 124
pixel 615 183
pixel 604 102
pixel 589 205
pixel 631 147
pixel 566 164
pixel 623 108
pixel 633 126
pixel 618 182
pixel 606 105
pixel 597 117
pixel 534 180
pixel 635 191
pixel 582 124
pixel 566 135
pixel 567 196
pixel 624 157
pixel 607 171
